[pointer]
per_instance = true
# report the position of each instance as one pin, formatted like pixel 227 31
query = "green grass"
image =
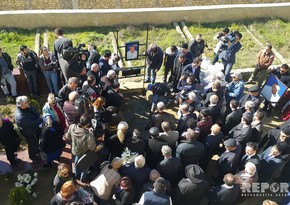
pixel 276 32
pixel 12 39
pixel 246 57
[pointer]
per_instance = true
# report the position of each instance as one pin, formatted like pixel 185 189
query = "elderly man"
pixel 69 108
pixel 246 177
pixel 227 193
pixel 28 121
pixel 169 167
pixel 160 115
pixel 95 71
pixel 154 62
pixel 235 89
pixel 185 116
pixel 108 79
pixel 253 96
pixel 67 89
pixel 264 61
pixel 137 171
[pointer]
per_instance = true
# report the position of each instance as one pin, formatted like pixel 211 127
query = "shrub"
pixel 19 196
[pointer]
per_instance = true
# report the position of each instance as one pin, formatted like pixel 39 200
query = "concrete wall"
pixel 109 17
pixel 6 5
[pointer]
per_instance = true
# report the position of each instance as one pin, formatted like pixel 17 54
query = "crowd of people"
pixel 173 158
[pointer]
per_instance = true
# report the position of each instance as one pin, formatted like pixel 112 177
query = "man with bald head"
pixel 211 144
pixel 95 71
pixel 70 109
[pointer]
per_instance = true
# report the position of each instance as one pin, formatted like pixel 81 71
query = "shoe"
pixel 147 81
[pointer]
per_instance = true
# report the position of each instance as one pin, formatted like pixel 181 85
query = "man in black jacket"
pixel 9 139
pixel 154 62
pixel 250 156
pixel 28 121
pixel 6 69
pixel 191 189
pixel 234 118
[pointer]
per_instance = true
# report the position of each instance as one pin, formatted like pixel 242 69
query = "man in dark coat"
pixel 178 67
pixel 242 133
pixel 229 159
pixel 216 89
pixel 250 156
pixel 28 121
pixel 271 164
pixel 190 151
pixel 104 63
pixel 9 139
pixel 193 69
pixel 154 62
pixel 197 45
pixel 64 92
pixel 168 61
pixel 214 108
pixel 226 194
pixel 169 167
pixel 153 148
pixel 160 93
pixel 185 116
pixel 253 96
pixel 192 188
pixel 137 171
pixel 234 118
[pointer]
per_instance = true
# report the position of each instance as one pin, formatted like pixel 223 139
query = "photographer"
pixel 228 57
pixel 64 65
pixel 221 45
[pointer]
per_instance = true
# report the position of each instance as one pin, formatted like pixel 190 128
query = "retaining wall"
pixel 110 17
pixel 6 5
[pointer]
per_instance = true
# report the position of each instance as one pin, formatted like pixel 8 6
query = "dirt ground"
pixel 135 111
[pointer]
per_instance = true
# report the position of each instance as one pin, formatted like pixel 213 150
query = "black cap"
pixel 286 130
pixel 230 142
pixel 254 88
pixel 154 131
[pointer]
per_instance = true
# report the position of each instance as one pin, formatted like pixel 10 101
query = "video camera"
pixel 70 53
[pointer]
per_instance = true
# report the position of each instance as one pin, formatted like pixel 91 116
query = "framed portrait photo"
pixel 132 50
pixel 273 89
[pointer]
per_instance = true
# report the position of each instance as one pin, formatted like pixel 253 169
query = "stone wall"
pixel 137 16
pixel 7 5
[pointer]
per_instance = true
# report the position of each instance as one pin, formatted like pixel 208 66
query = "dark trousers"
pixel 33 143
pixel 166 71
pixel 31 77
pixel 10 154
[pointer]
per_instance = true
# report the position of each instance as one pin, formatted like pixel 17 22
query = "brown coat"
pixel 265 59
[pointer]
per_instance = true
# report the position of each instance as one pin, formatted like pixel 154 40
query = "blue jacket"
pixel 235 90
pixel 231 52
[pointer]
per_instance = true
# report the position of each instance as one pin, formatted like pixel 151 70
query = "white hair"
pixel 250 168
pixel 139 161
pixel 20 100
pixel 111 74
pixel 249 104
pixel 191 95
pixel 160 106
